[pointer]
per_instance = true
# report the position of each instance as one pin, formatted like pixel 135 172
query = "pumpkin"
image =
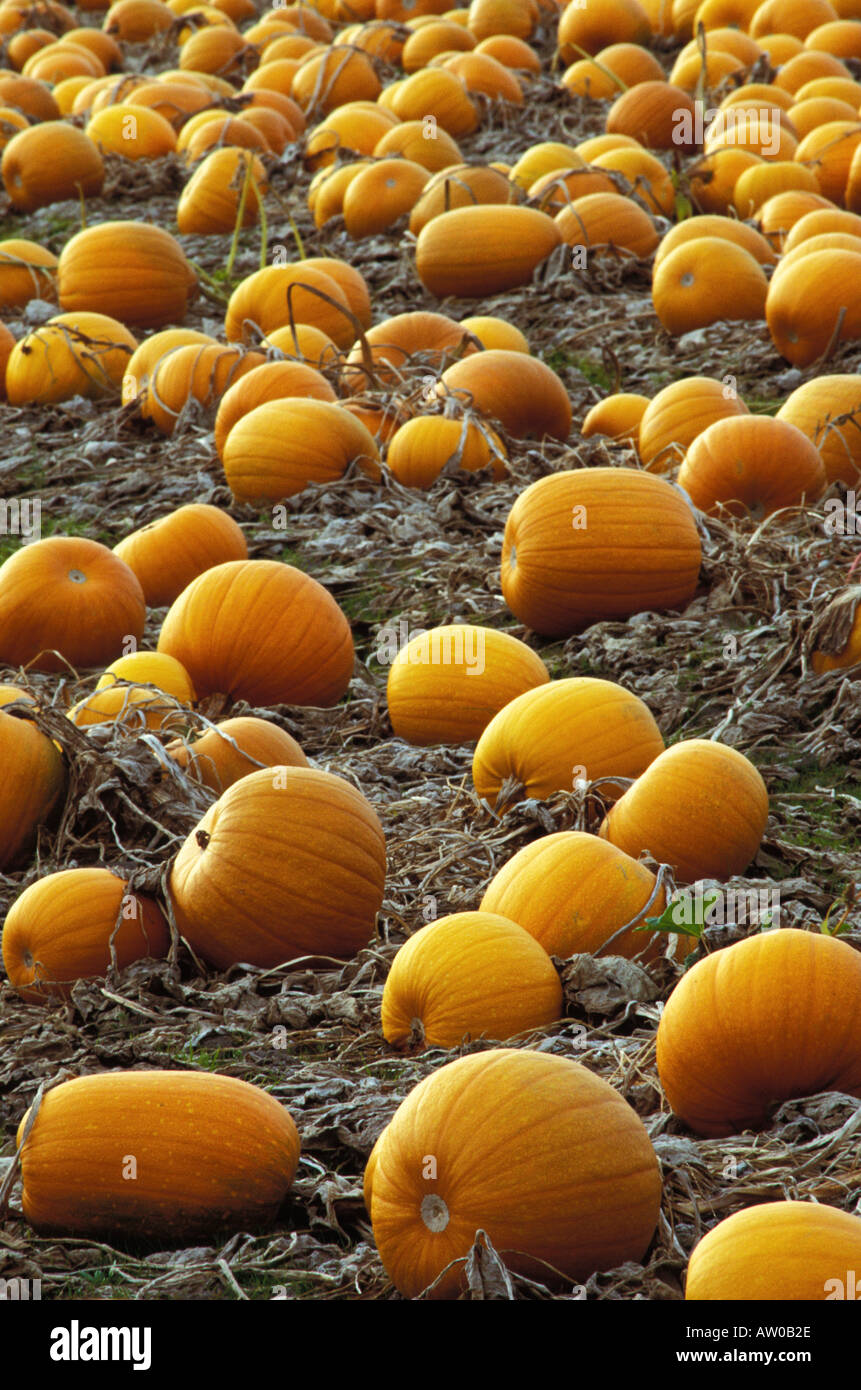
pixel 137 21
pixel 473 974
pixel 150 668
pixel 393 344
pixel 700 807
pixel 428 444
pixel 440 36
pixel 26 272
pixel 73 354
pixel 714 177
pixel 678 413
pixel 828 411
pixel 515 17
pixel 814 112
pixel 64 926
pixel 646 175
pixel 813 304
pixel 33 782
pixel 617 416
pixel 199 372
pixel 600 543
pixel 268 382
pixel 776 1251
pixel 601 220
pixel 839 88
pixel 549 737
pixel 315 892
pixel 278 448
pixel 763 181
pixel 727 40
pixel 705 281
pixel 67 600
pixel 493 332
pixel 216 49
pixel 27 95
pixel 134 132
pixel 356 127
pixel 440 94
pixel 260 631
pixel 209 203
pixel 590 25
pixel 625 63
pixel 431 147
pixel 460 185
pixel 125 694
pixel 720 67
pixel 830 148
pixel 75 1162
pixel 819 223
pixel 574 892
pixel 167 554
pixel 840 37
pixel 269 298
pixel 350 282
pixel 222 130
pixel 797 17
pixel 49 162
pixel 751 464
pixel 446 685
pixel 780 213
pixel 512 51
pixel 324 81
pixel 133 271
pixel 519 391
pixel 839 636
pixel 234 748
pixel 481 73
pixel 381 194
pixel 767 1020
pixel 544 158
pixel 276 129
pixel 474 252
pixel 533 1149
pixel 552 192
pixel 656 113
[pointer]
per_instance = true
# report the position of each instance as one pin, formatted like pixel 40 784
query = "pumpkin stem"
pixel 202 838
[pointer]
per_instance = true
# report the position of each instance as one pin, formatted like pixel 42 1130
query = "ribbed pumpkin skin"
pixel 33 782
pixel 705 281
pixel 472 252
pixel 394 341
pixel 446 685
pixel 593 25
pixel 460 186
pixel 535 1150
pixel 73 354
pixel 59 931
pixel 714 225
pixel 786 1251
pixel 522 393
pixel 473 973
pixel 133 271
pixel 751 464
pixel 677 414
pixel 617 416
pixel 701 807
pixel 572 892
pixel 195 372
pixel 758 1023
pixel 294 865
pixel 601 220
pixel 261 631
pixel 209 203
pixel 427 443
pixel 548 737
pixel 261 301
pixel 212 1152
pixel 636 549
pixel 280 447
pixel 146 357
pixel 49 162
pixel 268 382
pixel 235 748
pixel 26 272
pixel 70 594
pixel 169 553
pixel 804 305
pixel 813 406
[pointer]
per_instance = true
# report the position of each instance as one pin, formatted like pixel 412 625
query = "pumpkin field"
pixel 430 641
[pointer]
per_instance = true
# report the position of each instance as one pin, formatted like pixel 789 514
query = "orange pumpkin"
pixel 678 413
pixel 66 600
pixel 33 782
pixel 606 220
pixel 751 464
pixel 167 554
pixel 716 226
pixel 427 444
pixel 75 1160
pixel 392 344
pixel 574 893
pixel 473 252
pixel 656 113
pixel 430 146
pixel 440 94
pixel 521 392
pixel 134 271
pixel 549 737
pixel 327 80
pixel 446 685
pixel 756 185
pixel 569 1180
pixel 268 382
pixel 590 25
pixel 269 298
pixel 828 411
pixel 149 353
pixel 71 354
pixel 459 185
pixel 473 974
pixel 279 447
pixel 707 280
pixel 776 1251
pixel 209 203
pixel 600 543
pixel 198 372
pixel 26 272
pixel 617 416
pixel 137 21
pixel 323 883
pixel 700 807
pixel 134 132
pixel 830 149
pixel 69 925
pixel 381 194
pixel 260 631
pixel 234 748
pixel 49 162
pixel 780 213
pixel 759 1023
pixel 813 304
